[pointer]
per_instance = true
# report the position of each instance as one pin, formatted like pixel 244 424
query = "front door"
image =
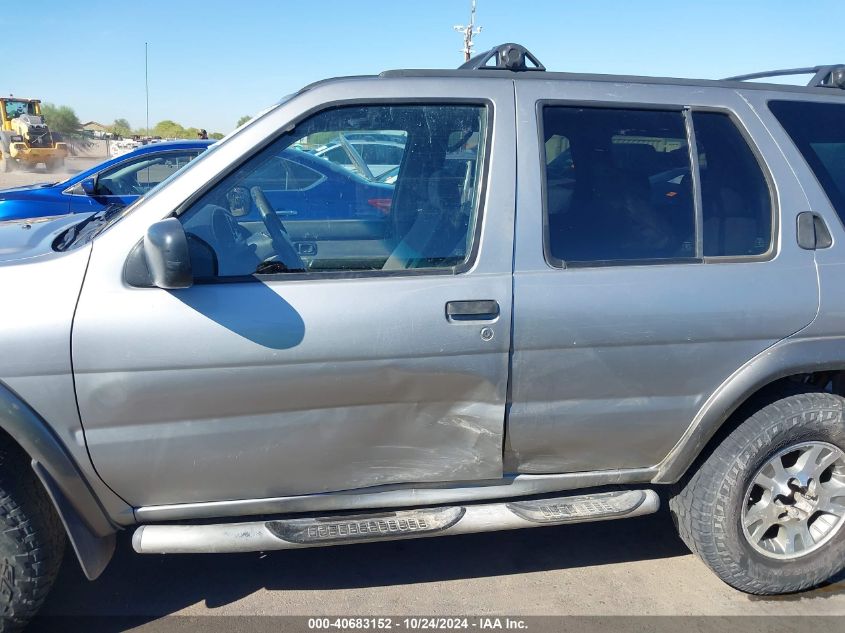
pixel 323 357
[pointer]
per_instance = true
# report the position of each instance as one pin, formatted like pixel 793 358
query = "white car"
pixel 370 158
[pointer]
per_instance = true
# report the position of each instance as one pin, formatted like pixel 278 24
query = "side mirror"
pixel 167 255
pixel 89 186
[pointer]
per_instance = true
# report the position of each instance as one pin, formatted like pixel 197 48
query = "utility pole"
pixel 147 86
pixel 469 31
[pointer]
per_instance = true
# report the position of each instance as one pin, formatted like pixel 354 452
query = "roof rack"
pixel 832 76
pixel 507 57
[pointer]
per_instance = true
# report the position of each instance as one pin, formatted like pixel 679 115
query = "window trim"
pixel 695 175
pixel 472 256
pixel 687 111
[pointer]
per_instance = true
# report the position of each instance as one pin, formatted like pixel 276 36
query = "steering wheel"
pixel 122 187
pixel 278 234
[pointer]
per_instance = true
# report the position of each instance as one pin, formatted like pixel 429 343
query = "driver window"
pixel 293 208
pixel 137 177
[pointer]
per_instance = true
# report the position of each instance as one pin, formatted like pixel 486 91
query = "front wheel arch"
pixel 88 527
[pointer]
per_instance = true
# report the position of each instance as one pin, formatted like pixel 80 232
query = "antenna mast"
pixel 469 31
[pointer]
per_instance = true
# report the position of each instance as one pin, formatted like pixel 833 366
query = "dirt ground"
pixel 22 177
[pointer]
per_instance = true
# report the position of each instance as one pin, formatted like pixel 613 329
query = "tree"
pixel 243 120
pixel 60 119
pixel 216 136
pixel 168 129
pixel 121 127
pixel 172 129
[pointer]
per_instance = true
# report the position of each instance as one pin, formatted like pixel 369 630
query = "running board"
pixel 265 535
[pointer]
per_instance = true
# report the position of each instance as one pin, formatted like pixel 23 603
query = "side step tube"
pixel 266 535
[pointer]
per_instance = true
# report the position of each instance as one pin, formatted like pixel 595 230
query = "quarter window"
pixel 293 208
pixel 817 131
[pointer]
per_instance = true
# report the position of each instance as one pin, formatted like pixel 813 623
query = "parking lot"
pixel 633 567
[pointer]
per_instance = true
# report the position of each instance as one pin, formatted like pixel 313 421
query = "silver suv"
pixel 580 290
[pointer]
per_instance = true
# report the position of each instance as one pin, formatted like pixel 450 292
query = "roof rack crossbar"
pixel 830 76
pixel 507 57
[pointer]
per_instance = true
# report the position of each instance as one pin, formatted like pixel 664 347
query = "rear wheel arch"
pixel 790 367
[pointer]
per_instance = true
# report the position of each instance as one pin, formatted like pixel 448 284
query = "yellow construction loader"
pixel 25 139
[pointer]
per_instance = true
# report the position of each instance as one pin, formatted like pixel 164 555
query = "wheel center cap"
pixel 804 504
pixel 802 500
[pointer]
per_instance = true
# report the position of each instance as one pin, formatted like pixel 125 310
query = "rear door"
pixel 366 360
pixel 646 272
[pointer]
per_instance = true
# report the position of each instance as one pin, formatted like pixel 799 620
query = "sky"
pixel 212 61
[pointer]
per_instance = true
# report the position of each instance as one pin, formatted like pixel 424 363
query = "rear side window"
pixel 735 199
pixel 618 185
pixel 817 130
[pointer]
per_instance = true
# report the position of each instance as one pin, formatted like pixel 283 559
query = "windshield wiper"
pixel 83 232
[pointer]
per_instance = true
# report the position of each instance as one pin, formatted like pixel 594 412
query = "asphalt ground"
pixel 623 569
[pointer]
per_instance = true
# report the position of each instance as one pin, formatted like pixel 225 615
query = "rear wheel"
pixel 766 510
pixel 32 540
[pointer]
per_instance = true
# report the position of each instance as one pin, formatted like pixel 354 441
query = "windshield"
pixel 16 108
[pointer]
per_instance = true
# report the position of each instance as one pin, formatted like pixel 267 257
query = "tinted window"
pixel 380 153
pixel 338 155
pixel 261 219
pixel 735 199
pixel 618 185
pixel 818 131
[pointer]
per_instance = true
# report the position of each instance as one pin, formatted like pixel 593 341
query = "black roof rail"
pixel 507 56
pixel 831 76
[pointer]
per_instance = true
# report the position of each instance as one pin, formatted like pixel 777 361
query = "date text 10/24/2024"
pixel 417 624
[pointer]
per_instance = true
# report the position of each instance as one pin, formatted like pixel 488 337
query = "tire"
pixel 708 507
pixel 32 540
pixel 55 165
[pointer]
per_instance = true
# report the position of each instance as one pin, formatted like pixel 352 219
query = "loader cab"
pixel 13 107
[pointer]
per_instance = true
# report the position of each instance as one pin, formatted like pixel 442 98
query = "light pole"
pixel 147 85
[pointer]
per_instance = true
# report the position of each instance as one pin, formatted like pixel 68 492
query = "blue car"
pixel 301 186
pixel 120 181
pixel 284 179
